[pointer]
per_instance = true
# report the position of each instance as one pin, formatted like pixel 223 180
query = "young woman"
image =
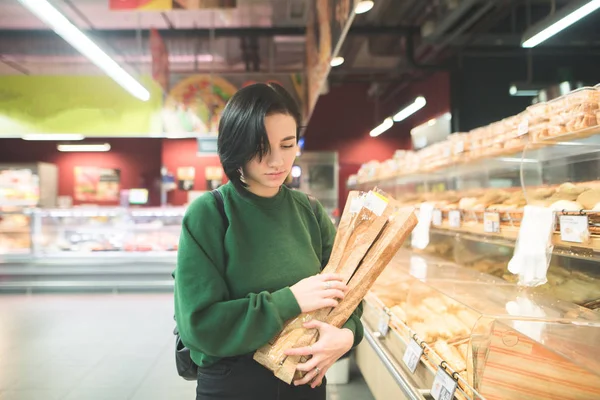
pixel 237 283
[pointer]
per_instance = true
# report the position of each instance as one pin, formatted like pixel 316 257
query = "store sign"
pixel 454 219
pixel 384 323
pixel 437 218
pixel 163 5
pixel 491 222
pixel 97 184
pixel 160 59
pixel 574 228
pixel 207 146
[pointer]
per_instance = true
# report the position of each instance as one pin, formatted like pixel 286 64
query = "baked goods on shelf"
pixel 578 111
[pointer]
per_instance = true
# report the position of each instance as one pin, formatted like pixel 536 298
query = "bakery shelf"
pixel 501 332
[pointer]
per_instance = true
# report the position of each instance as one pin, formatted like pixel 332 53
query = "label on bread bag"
pixel 443 385
pixel 523 127
pixel 356 204
pixel 376 203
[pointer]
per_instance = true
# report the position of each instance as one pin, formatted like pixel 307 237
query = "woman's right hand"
pixel 319 291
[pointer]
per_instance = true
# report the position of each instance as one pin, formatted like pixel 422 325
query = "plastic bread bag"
pixel 533 248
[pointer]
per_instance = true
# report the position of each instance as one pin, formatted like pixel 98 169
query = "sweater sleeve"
pixel 209 321
pixel 328 236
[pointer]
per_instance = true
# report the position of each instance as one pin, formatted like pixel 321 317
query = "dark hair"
pixel 242 133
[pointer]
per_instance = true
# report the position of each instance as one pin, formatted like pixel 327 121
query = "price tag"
pixel 491 222
pixel 384 323
pixel 574 228
pixel 412 355
pixel 356 204
pixel 443 386
pixel 436 218
pixel 523 127
pixel 454 219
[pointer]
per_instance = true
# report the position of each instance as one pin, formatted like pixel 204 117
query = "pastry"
pixel 589 199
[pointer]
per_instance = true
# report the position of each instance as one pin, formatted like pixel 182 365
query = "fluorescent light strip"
pixel 53 136
pixel 64 28
pixel 561 24
pixel 83 148
pixel 410 110
pixel 385 125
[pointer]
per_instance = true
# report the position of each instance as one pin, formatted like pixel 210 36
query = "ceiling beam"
pixel 219 32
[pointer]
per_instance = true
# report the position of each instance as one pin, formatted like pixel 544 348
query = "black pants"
pixel 242 378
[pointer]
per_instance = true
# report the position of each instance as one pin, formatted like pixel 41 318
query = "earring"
pixel 241 170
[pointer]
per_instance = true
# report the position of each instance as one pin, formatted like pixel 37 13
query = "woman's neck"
pixel 263 191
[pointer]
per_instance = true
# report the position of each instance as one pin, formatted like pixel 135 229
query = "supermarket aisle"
pixel 98 347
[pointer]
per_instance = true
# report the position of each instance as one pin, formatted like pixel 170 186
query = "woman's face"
pixel 265 176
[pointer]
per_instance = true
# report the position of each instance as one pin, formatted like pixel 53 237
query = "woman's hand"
pixel 332 344
pixel 319 291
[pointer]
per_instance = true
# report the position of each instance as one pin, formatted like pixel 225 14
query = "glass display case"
pixel 107 232
pixel 15 234
pixel 473 193
pixel 496 339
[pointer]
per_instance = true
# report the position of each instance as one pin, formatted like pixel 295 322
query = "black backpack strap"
pixel 314 204
pixel 220 205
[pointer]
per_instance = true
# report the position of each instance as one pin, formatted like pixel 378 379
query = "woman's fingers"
pixel 331 277
pixel 318 380
pixel 300 351
pixel 326 303
pixel 308 377
pixel 309 365
pixel 333 294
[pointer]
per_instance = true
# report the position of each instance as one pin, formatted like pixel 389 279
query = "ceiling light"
pixel 364 6
pixel 336 61
pixel 64 28
pixel 523 89
pixel 431 122
pixel 53 136
pixel 296 171
pixel 84 148
pixel 385 125
pixel 411 109
pixel 562 19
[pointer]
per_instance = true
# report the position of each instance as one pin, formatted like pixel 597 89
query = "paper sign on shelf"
pixel 491 222
pixel 454 219
pixel 574 228
pixel 384 323
pixel 437 218
pixel 420 235
pixel 533 248
pixel 412 355
pixel 443 385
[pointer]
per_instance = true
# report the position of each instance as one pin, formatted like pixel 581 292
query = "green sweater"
pixel 232 286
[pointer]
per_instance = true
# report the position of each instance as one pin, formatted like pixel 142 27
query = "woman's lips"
pixel 275 175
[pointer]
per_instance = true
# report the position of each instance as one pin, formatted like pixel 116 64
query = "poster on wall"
pixel 97 184
pixel 164 5
pixel 328 21
pixel 185 178
pixel 195 102
pixel 214 177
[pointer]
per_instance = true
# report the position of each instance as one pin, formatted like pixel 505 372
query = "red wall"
pixel 344 117
pixel 182 153
pixel 138 159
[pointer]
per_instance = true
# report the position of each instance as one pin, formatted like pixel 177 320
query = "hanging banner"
pixel 160 59
pixel 326 28
pixel 195 102
pixel 164 5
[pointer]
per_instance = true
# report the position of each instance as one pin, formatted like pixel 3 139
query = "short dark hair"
pixel 242 132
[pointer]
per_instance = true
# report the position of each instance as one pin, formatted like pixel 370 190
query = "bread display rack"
pixel 519 342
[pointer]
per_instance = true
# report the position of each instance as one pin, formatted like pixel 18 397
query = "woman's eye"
pixel 288 147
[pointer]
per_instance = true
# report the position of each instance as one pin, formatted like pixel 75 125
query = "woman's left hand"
pixel 332 344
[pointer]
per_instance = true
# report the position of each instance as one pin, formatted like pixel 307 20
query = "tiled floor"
pixel 99 347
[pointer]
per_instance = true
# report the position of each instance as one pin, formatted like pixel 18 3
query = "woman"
pixel 237 283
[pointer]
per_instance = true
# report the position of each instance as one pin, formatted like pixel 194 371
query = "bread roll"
pixel 589 199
